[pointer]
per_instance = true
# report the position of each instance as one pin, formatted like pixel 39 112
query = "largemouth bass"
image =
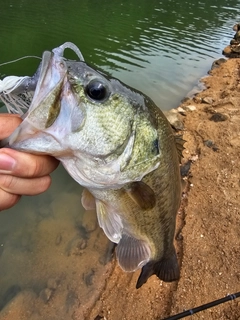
pixel 114 141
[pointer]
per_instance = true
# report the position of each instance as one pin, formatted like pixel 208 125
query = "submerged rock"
pixel 89 220
pixel 88 277
pixel 46 294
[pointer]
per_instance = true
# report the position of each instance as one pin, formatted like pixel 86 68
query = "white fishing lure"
pixel 20 102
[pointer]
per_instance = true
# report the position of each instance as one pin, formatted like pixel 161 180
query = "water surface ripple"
pixel 159 47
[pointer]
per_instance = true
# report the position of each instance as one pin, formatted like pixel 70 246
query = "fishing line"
pixel 25 57
pixel 214 303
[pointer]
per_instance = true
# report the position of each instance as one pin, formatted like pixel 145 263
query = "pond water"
pixel 50 250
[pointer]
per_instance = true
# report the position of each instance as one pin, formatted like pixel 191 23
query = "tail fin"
pixel 166 269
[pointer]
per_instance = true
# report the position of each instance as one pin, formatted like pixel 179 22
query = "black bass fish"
pixel 114 141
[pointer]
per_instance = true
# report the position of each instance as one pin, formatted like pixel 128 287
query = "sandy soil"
pixel 207 235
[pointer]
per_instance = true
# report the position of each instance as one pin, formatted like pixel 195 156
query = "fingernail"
pixel 7 163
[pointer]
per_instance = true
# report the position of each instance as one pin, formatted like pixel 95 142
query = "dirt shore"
pixel 208 234
pixel 62 286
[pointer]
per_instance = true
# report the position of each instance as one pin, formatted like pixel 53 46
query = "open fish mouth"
pixel 50 84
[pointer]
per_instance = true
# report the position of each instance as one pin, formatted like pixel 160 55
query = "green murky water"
pixel 48 247
pixel 160 47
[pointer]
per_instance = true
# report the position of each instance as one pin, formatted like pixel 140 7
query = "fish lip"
pixel 27 134
pixel 52 72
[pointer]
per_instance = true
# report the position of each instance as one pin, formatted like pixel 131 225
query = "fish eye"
pixel 97 91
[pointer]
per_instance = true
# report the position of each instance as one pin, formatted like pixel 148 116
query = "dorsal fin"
pixel 179 142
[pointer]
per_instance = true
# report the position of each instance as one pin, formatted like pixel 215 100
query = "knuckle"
pixel 35 168
pixel 7 182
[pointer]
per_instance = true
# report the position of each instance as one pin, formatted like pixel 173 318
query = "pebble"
pixel 185 168
pixel 207 100
pixel 197 99
pixel 227 51
pixel 184 100
pixel 46 294
pixel 190 108
pixel 174 119
pixel 210 144
pixel 235 48
pixel 181 110
pixel 98 317
pixel 58 239
pixel 88 277
pixel 194 158
pixel 218 117
pixel 217 63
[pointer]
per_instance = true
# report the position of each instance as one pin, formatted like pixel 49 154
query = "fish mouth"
pixel 54 113
pixel 44 108
pixel 52 73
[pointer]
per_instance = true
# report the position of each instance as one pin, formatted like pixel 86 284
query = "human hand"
pixel 21 173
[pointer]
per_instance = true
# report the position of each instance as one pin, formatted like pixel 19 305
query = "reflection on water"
pixel 52 254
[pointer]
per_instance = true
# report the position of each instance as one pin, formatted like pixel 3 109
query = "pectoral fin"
pixel 109 221
pixel 88 200
pixel 142 195
pixel 132 253
pixel 167 269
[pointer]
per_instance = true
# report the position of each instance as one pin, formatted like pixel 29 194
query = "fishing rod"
pixel 214 303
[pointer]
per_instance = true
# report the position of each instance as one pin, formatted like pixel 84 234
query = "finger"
pixel 8 200
pixel 25 165
pixel 8 122
pixel 21 186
